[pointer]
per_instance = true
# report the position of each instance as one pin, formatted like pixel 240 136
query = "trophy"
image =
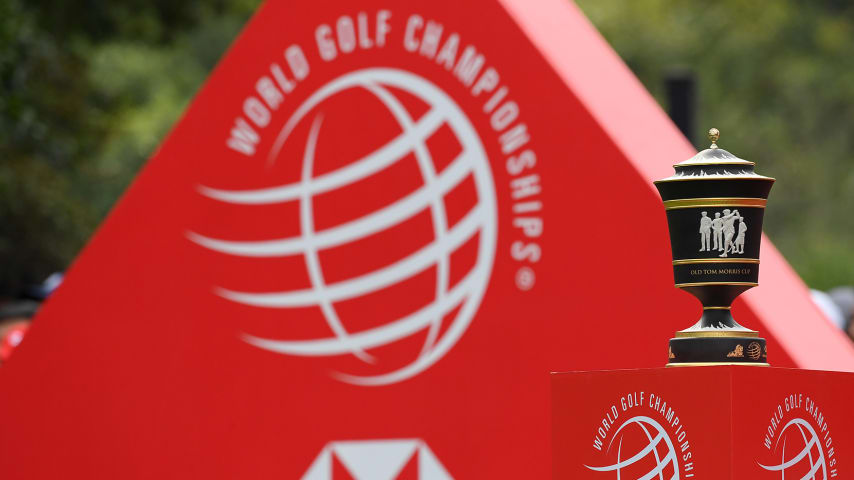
pixel 714 205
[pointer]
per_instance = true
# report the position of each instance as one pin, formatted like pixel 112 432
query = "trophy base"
pixel 729 347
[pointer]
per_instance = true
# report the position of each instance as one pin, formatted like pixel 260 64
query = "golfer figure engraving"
pixel 718 228
pixel 739 239
pixel 724 231
pixel 705 231
pixel 729 230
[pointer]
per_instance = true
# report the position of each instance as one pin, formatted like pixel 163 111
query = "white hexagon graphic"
pixel 377 460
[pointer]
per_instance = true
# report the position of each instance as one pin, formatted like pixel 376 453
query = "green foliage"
pixel 86 94
pixel 777 78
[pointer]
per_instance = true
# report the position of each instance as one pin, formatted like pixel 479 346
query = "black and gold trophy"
pixel 714 205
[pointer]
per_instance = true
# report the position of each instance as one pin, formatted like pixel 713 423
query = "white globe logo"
pixel 804 458
pixel 465 295
pixel 654 434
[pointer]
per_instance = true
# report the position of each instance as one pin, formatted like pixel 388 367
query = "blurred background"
pixel 89 89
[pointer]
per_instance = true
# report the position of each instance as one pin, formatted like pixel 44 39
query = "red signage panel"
pixel 727 422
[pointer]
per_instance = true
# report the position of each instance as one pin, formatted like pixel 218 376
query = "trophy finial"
pixel 714 135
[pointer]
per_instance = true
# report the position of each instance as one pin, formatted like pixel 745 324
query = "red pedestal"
pixel 720 423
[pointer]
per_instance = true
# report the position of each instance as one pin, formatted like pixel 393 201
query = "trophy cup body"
pixel 714 204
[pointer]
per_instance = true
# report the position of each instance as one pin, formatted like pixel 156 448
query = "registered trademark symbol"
pixel 525 278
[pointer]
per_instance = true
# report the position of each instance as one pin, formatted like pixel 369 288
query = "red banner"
pixel 372 235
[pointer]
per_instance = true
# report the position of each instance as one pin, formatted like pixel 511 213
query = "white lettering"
pixel 364 40
pixel 430 39
pixel 297 61
pixel 486 83
pixel 469 65
pixel 325 43
pixel 531 226
pixel 256 111
pixel 448 53
pixel 521 251
pixel 268 91
pixel 346 34
pixel 525 186
pixel 414 23
pixel 286 85
pixel 504 116
pixel 243 137
pixel 382 26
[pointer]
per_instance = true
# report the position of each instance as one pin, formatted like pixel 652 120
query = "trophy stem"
pixel 717 318
pixel 717 339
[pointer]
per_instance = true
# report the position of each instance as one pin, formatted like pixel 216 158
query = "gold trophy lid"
pixel 714 155
pixel 714 163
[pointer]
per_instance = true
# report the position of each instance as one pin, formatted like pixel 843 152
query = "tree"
pixel 86 94
pixel 777 78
